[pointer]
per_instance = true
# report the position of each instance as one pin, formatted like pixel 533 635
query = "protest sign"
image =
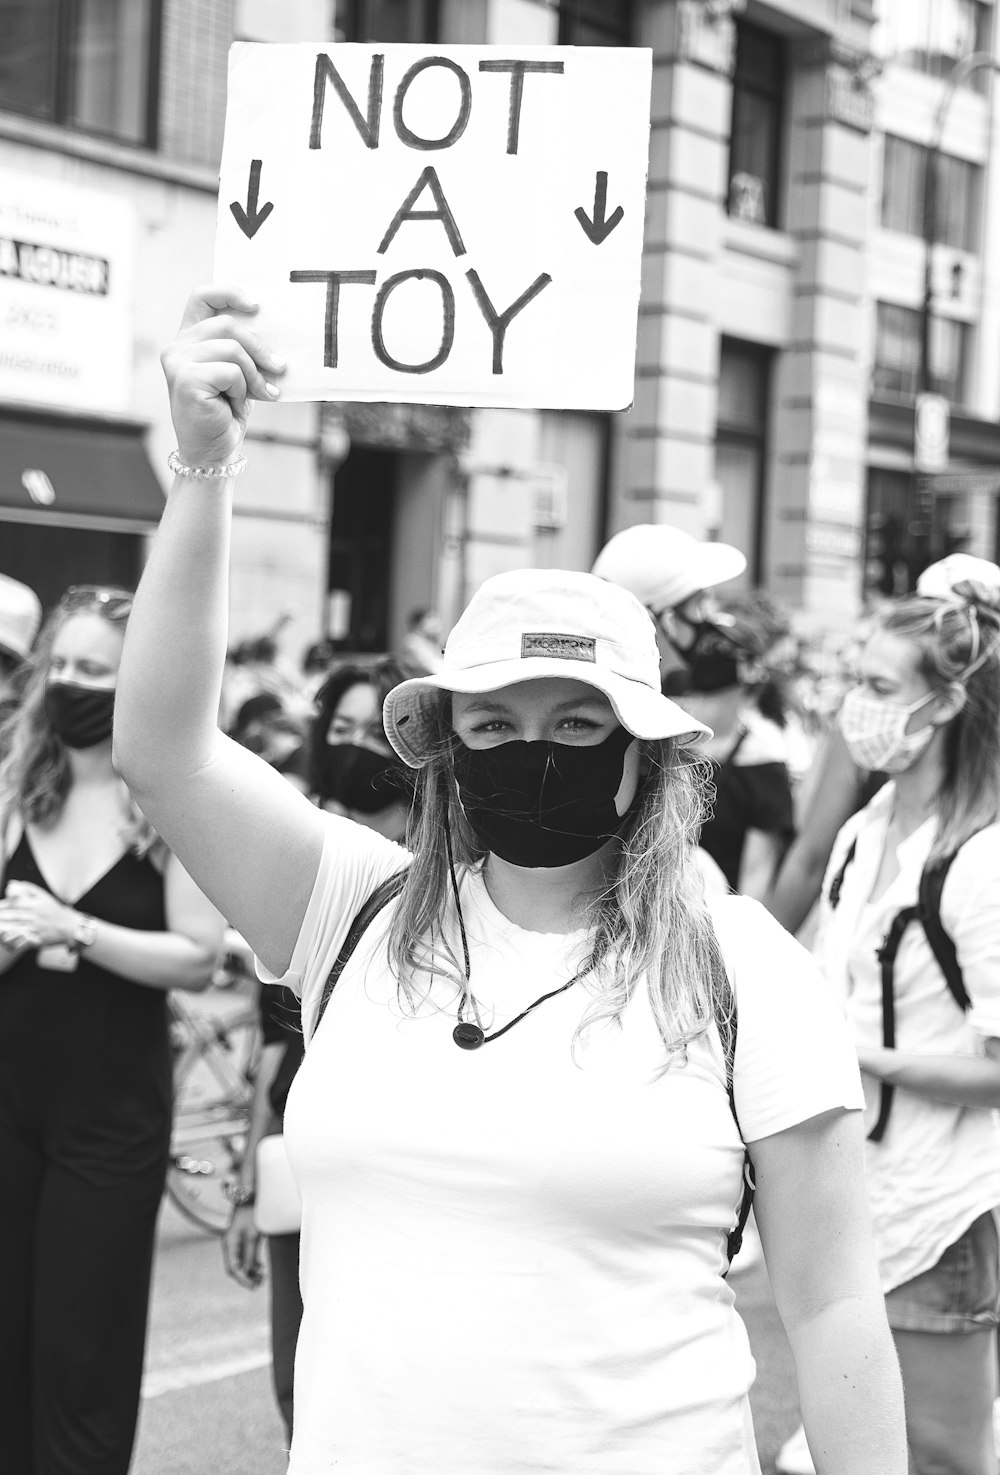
pixel 460 225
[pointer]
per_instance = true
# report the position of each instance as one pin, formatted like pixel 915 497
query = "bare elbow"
pixel 201 969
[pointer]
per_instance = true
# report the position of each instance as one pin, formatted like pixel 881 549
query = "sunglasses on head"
pixel 103 598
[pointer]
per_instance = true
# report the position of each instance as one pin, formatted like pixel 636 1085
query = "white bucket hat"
pixel 662 566
pixel 20 617
pixel 534 623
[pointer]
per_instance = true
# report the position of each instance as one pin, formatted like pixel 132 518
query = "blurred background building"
pixel 818 370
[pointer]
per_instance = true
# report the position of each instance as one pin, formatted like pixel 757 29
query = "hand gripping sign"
pixel 455 226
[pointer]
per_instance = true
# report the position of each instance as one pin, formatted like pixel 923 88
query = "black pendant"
pixel 467 1036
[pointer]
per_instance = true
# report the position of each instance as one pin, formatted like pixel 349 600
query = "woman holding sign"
pixel 515 1129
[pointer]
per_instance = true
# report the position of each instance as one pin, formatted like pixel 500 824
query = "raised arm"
pixel 248 838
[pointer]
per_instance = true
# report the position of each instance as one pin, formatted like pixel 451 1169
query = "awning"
pixel 76 467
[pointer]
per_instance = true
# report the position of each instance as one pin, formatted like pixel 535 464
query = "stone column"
pixel 817 472
pixel 667 443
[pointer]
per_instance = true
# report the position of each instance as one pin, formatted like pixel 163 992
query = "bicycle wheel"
pixel 213 1090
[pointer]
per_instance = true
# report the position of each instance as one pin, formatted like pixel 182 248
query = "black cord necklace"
pixel 469 1036
pixel 466 1034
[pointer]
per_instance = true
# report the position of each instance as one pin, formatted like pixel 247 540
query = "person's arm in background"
pixel 235 824
pixel 762 852
pixel 812 1213
pixel 183 956
pixel 241 1242
pixel 836 787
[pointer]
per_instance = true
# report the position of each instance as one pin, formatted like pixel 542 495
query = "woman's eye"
pixel 492 726
pixel 579 724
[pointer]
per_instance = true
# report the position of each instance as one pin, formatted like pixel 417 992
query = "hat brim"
pixel 643 712
pixel 712 564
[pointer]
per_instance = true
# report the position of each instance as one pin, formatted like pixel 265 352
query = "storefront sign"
pixel 67 259
pixel 462 226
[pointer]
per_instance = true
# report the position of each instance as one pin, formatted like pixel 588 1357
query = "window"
pixel 595 22
pixel 904 173
pixel 87 64
pixel 931 35
pixel 740 447
pixel 908 524
pixel 414 21
pixel 755 134
pixel 897 353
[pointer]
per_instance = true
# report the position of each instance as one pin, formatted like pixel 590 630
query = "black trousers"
pixel 76 1251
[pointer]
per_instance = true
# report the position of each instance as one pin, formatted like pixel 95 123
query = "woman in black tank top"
pixel 97 922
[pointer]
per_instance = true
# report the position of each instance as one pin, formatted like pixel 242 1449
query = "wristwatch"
pixel 84 933
pixel 238 1196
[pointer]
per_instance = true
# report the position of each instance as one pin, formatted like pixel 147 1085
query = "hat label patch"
pixel 559 647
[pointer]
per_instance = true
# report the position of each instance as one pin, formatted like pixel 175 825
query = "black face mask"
pixel 711 662
pixel 361 779
pixel 80 716
pixel 541 803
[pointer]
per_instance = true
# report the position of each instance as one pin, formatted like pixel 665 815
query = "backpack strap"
pixel 727 1022
pixel 932 880
pixel 379 898
pixel 886 956
pixel 836 885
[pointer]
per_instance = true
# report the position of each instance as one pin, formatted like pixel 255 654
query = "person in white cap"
pixel 20 617
pixel 839 787
pixel 518 1157
pixel 672 574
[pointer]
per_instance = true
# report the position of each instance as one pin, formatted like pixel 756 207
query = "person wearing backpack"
pixel 910 936
pixel 513 1130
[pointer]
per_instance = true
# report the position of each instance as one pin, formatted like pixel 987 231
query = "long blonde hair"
pixel 650 921
pixel 959 643
pixel 35 775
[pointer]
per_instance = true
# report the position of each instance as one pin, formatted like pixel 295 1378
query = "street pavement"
pixel 208 1408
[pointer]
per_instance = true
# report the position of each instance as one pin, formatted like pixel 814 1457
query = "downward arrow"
pixel 251 219
pixel 599 228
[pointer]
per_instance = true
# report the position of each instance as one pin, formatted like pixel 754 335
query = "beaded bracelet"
pixel 206 473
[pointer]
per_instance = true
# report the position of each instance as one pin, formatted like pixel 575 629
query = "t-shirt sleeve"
pixel 354 862
pixel 970 912
pixel 794 1055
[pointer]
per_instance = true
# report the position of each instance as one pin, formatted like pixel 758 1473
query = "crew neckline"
pixel 494 917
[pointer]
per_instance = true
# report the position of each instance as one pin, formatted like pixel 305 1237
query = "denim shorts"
pixel 961 1293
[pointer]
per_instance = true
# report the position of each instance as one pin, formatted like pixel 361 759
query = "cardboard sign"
pixel 460 225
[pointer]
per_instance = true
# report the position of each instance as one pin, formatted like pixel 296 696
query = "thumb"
pixel 205 302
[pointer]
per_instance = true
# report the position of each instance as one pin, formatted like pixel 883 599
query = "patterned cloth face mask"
pixel 875 732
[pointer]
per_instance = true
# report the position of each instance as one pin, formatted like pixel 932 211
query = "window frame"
pixel 61 101
pixel 911 220
pixel 354 19
pixel 909 387
pixel 776 95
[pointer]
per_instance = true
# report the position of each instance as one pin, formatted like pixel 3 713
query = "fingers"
pixel 232 351
pixel 225 326
pixel 241 1254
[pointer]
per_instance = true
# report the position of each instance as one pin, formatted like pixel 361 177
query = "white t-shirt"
pixel 938 1166
pixel 512 1261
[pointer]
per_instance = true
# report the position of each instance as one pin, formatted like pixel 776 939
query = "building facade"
pixel 780 348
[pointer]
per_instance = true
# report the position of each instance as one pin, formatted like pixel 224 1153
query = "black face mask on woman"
pixel 361 779
pixel 541 803
pixel 80 716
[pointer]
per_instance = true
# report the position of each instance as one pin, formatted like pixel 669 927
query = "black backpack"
pixel 391 888
pixel 928 913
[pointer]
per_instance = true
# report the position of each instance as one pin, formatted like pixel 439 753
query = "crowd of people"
pixel 533 1035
